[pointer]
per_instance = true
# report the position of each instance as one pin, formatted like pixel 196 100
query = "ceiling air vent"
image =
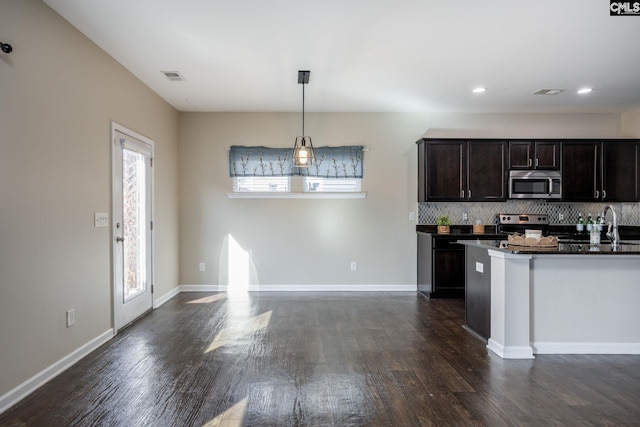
pixel 174 76
pixel 547 91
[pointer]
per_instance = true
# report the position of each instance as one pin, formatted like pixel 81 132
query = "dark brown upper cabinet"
pixel 476 169
pixel 604 171
pixel 620 171
pixel 461 170
pixel 540 155
pixel 445 170
pixel 580 171
pixel 487 177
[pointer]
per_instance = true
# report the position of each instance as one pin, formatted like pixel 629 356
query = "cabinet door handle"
pixel 469 193
pixel 597 194
pixel 462 194
pixel 604 194
pixel 529 163
pixel 536 162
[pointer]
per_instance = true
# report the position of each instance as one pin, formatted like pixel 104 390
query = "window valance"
pixel 330 162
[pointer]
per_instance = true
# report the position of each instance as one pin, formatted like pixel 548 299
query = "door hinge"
pixel 151 225
pixel 151 161
pixel 152 288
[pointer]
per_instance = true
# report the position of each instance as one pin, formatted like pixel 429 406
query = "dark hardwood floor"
pixel 324 359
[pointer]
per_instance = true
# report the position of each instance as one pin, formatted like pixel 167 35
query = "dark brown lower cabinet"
pixel 441 264
pixel 448 276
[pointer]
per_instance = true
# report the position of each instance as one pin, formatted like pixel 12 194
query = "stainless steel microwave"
pixel 536 184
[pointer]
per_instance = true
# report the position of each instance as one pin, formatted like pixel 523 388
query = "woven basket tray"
pixel 517 239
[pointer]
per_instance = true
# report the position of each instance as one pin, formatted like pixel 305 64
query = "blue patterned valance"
pixel 330 162
pixel 260 161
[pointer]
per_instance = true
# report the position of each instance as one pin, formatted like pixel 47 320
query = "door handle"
pixel 119 239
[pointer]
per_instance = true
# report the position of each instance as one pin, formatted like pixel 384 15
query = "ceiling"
pixel 372 55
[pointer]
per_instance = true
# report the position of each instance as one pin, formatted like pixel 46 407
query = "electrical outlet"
pixel 71 318
pixel 560 216
pixel 203 266
pixel 412 216
pixel 465 216
pixel 354 266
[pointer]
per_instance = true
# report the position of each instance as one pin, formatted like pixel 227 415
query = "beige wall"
pixel 58 96
pixel 375 231
pixel 631 123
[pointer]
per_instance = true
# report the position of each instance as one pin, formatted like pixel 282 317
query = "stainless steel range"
pixel 518 223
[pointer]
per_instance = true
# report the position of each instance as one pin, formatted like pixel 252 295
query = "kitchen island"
pixel 573 299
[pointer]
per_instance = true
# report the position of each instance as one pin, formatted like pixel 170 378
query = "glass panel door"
pixel 131 226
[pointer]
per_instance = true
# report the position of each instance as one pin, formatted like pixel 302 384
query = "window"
pixel 332 185
pixel 260 169
pixel 263 184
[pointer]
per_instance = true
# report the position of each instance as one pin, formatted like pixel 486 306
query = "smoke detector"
pixel 174 76
pixel 547 91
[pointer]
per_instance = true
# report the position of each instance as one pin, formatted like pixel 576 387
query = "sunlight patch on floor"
pixel 210 299
pixel 232 417
pixel 234 334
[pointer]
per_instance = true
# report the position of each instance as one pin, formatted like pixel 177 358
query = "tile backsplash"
pixel 486 212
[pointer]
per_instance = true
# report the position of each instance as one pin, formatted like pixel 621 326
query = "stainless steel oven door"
pixel 535 185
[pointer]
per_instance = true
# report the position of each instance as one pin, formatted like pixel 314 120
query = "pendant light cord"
pixel 303 134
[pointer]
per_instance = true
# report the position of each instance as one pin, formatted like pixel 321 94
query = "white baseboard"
pixel 20 392
pixel 202 288
pixel 304 288
pixel 585 348
pixel 166 297
pixel 511 351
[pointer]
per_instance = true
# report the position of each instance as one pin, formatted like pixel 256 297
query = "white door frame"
pixel 116 247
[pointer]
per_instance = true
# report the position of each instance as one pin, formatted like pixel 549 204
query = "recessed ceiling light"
pixel 585 90
pixel 479 90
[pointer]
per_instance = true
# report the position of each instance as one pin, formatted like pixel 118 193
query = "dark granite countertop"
pixel 461 230
pixel 627 232
pixel 626 247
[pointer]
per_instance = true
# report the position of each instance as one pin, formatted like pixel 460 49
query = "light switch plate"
pixel 100 219
pixel 479 267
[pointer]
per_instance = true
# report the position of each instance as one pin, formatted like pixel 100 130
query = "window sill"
pixel 257 195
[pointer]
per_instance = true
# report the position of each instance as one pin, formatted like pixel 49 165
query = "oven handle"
pixel 550 186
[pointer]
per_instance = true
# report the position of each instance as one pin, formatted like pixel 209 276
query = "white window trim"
pixel 331 183
pixel 308 195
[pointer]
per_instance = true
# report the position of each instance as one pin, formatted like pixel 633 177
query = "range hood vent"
pixel 174 76
pixel 547 91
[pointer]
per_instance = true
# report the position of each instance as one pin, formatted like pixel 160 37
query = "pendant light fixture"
pixel 303 155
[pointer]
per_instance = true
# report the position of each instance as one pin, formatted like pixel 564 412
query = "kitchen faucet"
pixel 612 231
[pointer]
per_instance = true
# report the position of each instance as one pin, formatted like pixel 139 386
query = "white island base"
pixel 564 304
